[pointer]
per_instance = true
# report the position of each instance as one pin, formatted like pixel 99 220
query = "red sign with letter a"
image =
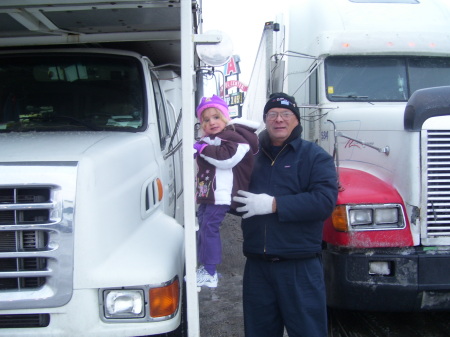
pixel 232 67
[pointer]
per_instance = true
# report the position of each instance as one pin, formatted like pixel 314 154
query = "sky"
pixel 243 21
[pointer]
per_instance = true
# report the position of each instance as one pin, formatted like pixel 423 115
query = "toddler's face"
pixel 212 121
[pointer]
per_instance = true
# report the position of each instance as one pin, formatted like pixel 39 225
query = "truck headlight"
pixel 124 304
pixel 362 216
pixel 141 303
pixel 368 217
pixel 386 216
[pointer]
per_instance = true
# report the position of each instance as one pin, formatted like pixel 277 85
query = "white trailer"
pixel 97 229
pixel 360 71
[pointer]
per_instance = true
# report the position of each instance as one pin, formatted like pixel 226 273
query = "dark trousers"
pixel 289 293
pixel 209 244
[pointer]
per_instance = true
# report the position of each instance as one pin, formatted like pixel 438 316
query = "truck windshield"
pixel 382 79
pixel 69 91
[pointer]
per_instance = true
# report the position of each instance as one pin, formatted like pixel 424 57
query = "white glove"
pixel 254 204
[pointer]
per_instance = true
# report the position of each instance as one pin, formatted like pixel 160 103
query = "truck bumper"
pixel 81 317
pixel 414 280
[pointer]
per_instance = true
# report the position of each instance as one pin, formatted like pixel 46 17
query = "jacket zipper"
pixel 274 159
pixel 273 162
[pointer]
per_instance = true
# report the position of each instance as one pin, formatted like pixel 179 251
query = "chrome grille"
pixel 24 205
pixel 438 183
pixel 20 206
pixel 37 202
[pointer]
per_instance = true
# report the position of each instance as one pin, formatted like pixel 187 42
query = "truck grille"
pixel 438 177
pixel 24 321
pixel 37 202
pixel 23 206
pixel 23 212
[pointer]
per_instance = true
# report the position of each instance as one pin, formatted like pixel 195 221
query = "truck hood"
pixel 57 146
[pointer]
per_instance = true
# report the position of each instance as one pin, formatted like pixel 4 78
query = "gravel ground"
pixel 221 313
pixel 221 307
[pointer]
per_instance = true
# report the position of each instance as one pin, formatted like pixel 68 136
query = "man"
pixel 293 189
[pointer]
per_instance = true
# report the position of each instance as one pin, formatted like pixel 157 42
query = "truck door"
pixel 175 150
pixel 166 127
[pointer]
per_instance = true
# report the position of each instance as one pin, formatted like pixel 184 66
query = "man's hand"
pixel 254 204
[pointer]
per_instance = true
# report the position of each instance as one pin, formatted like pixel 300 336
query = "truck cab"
pixel 92 230
pixel 371 79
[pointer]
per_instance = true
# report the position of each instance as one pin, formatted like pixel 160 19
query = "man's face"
pixel 280 127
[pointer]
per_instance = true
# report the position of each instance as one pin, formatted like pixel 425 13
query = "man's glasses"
pixel 271 116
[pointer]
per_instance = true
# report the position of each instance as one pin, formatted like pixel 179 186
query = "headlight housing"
pixel 126 303
pixel 368 217
pixel 147 303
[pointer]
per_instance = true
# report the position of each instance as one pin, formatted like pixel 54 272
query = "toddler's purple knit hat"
pixel 212 102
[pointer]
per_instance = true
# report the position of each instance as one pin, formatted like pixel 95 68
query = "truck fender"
pixel 362 188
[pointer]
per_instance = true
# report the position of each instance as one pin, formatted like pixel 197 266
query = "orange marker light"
pixel 339 219
pixel 160 189
pixel 164 300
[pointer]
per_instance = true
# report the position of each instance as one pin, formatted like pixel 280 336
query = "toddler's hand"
pixel 199 147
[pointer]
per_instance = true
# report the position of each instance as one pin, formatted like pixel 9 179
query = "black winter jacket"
pixel 302 178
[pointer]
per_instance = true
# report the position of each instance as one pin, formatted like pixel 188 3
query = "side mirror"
pixel 196 131
pixel 214 48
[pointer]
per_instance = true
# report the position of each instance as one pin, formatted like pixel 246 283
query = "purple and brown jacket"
pixel 226 165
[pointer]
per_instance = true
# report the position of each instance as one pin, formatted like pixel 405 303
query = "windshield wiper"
pixel 350 96
pixel 73 120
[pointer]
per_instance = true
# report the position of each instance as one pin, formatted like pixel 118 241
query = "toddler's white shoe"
pixel 205 279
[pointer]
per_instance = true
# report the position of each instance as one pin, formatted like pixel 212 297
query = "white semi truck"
pixel 361 72
pixel 95 233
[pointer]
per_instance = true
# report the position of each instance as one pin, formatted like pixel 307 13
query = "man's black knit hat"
pixel 281 100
